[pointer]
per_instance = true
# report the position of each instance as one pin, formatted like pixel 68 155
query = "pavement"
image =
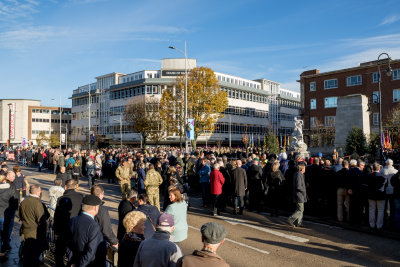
pixel 257 239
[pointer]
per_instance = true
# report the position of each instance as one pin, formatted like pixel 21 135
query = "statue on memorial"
pixel 298 144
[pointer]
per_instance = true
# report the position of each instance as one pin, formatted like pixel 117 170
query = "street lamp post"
pixel 186 76
pixel 120 129
pixel 60 111
pixel 9 124
pixel 388 73
pixel 89 118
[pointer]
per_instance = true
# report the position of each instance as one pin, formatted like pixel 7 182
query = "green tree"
pixel 54 140
pixel 373 144
pixel 356 141
pixel 144 118
pixel 271 144
pixel 41 139
pixel 205 101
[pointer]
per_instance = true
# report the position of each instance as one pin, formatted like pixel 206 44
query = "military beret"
pixel 213 233
pixel 91 200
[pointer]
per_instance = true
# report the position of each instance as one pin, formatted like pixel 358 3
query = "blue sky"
pixel 50 47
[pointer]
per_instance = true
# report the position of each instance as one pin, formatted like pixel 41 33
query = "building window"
pixel 396 74
pixel 330 102
pixel 375 77
pixel 329 84
pixel 375 97
pixel 313 122
pixel 330 121
pixel 313 86
pixel 354 80
pixel 313 103
pixel 396 95
pixel 375 119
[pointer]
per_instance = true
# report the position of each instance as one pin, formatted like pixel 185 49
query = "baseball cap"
pixel 166 219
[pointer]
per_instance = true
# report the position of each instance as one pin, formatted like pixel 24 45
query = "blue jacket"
pixel 86 242
pixel 70 160
pixel 204 174
pixel 141 177
pixel 153 213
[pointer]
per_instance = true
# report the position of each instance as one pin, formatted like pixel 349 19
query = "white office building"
pixel 22 120
pixel 253 105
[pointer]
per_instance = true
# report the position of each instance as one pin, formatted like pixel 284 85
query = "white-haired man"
pixel 388 171
pixel 159 250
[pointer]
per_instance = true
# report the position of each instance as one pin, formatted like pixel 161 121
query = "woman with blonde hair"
pixel 128 247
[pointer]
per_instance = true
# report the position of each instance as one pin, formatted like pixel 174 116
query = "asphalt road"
pixel 260 240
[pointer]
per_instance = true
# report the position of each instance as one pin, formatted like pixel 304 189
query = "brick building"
pixel 320 91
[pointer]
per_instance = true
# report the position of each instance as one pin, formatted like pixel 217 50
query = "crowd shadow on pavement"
pixel 334 252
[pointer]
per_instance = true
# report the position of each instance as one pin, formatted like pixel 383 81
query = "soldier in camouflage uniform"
pixel 124 174
pixel 151 184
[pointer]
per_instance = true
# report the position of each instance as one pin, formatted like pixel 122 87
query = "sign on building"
pixel 62 138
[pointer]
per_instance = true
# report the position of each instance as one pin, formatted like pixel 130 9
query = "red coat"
pixel 217 180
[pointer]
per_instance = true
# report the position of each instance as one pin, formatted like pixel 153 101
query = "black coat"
pixel 127 250
pixel 7 199
pixel 153 213
pixel 124 207
pixel 239 182
pixel 299 188
pixel 103 219
pixel 85 241
pixel 376 186
pixel 68 206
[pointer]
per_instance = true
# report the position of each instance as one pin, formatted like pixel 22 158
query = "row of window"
pixel 331 102
pixel 48 111
pixel 329 121
pixel 135 91
pixel 353 80
pixel 117 110
pixel 238 94
pixel 85 114
pixel 48 120
pixel 250 112
pixel 289 104
pixel 84 100
pixel 286 117
pixel 239 128
pixel 238 82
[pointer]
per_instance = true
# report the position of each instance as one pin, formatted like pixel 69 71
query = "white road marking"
pixel 234 221
pixel 238 243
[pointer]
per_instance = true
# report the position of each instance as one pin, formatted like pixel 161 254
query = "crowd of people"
pixel 352 190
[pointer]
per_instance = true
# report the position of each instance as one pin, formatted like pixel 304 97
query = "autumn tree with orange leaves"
pixel 206 102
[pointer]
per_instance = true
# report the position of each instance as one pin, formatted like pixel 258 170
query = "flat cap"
pixel 91 200
pixel 213 233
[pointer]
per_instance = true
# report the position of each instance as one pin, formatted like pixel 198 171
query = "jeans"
pixel 297 215
pixel 239 202
pixel 205 191
pixel 40 166
pixel 23 161
pixel 376 213
pixel 342 198
pixel 90 181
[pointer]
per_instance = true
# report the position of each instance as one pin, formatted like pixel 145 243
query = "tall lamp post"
pixel 388 73
pixel 186 76
pixel 9 125
pixel 120 129
pixel 60 112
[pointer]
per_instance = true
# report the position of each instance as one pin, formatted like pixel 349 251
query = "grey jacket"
pixel 299 188
pixel 157 251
